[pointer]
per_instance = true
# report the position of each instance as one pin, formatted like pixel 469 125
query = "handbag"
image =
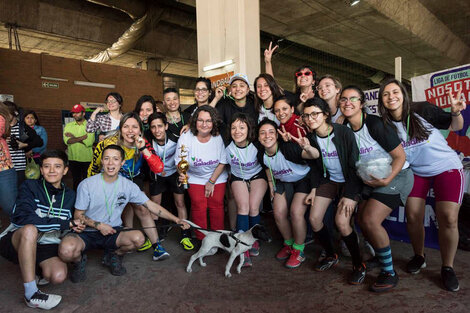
pixel 32 169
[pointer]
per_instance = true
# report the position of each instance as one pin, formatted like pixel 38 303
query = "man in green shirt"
pixel 79 145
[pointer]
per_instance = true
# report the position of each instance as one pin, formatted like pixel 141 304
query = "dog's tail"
pixel 195 226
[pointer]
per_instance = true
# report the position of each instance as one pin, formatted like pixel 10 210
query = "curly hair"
pixel 214 118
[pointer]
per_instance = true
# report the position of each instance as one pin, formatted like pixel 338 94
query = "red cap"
pixel 77 108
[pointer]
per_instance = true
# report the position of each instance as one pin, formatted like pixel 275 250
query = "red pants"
pixel 200 204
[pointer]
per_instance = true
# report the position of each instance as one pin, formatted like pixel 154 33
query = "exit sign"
pixel 50 85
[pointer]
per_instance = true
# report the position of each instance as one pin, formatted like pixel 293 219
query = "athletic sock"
pixel 353 247
pixel 242 222
pixel 298 247
pixel 30 289
pixel 385 258
pixel 254 220
pixel 289 242
pixel 324 237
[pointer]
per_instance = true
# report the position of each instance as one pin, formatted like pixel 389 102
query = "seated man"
pixel 43 211
pixel 100 201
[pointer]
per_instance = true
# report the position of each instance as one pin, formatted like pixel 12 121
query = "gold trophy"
pixel 183 165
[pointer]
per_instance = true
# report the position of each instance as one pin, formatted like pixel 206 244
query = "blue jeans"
pixel 8 190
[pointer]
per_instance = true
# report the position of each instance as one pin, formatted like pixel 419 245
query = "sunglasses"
pixel 300 74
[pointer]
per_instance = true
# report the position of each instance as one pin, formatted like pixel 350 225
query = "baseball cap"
pixel 239 76
pixel 77 108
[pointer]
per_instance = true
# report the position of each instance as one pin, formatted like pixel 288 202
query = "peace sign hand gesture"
pixel 284 134
pixel 456 104
pixel 303 142
pixel 268 53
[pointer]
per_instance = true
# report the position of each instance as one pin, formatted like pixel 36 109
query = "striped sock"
pixel 385 258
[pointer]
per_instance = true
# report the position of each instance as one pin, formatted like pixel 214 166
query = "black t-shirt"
pixel 175 128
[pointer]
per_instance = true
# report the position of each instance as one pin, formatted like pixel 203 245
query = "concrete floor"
pixel 165 286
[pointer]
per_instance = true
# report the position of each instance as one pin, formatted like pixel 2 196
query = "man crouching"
pixel 100 202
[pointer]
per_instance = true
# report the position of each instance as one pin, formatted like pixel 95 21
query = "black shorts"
pixel 392 201
pixel 43 252
pixel 95 240
pixel 166 183
pixel 139 181
pixel 302 186
pixel 260 175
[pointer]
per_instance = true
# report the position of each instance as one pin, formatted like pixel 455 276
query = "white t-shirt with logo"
pixel 428 157
pixel 203 158
pixel 167 154
pixel 330 158
pixel 243 162
pixel 267 113
pixel 282 168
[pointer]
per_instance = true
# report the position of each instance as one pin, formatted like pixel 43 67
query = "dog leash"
pixel 169 225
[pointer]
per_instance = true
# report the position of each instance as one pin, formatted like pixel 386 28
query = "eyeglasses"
pixel 203 90
pixel 300 74
pixel 313 115
pixel 344 100
pixel 111 101
pixel 207 122
pixel 325 86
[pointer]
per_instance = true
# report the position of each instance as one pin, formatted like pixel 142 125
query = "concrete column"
pixel 228 30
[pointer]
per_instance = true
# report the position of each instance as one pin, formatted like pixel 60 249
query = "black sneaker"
pixel 43 300
pixel 385 281
pixel 114 263
pixel 416 264
pixel 78 273
pixel 358 275
pixel 327 263
pixel 372 263
pixel 449 279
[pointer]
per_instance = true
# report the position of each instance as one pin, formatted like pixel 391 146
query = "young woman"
pixel 31 119
pixel 202 95
pixel 164 144
pixel 176 118
pixel 137 149
pixel 289 185
pixel 334 177
pixel 381 195
pixel 8 190
pixel 289 121
pixel 329 89
pixel 267 91
pixel 145 106
pixel 205 153
pixel 432 162
pixel 247 179
pixel 109 122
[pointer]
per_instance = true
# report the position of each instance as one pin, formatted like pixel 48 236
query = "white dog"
pixel 235 243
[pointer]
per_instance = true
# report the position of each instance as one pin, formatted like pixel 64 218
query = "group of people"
pixel 302 150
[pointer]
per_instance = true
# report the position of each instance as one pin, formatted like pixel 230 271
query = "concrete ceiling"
pixel 428 34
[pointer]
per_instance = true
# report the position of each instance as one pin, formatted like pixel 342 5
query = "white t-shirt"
pixel 330 158
pixel 203 158
pixel 167 154
pixel 114 123
pixel 263 113
pixel 243 162
pixel 335 116
pixel 104 202
pixel 283 169
pixel 429 157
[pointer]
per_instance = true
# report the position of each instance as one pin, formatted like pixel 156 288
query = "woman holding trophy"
pixel 200 155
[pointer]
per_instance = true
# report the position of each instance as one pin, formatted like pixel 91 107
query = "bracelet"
pixel 211 181
pixel 143 148
pixel 458 114
pixel 73 223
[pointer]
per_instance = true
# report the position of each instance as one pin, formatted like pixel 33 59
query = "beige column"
pixel 228 30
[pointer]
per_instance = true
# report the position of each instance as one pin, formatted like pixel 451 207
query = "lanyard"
pixel 174 122
pixel 131 174
pixel 358 137
pixel 408 128
pixel 109 209
pixel 237 151
pixel 327 147
pixel 51 209
pixel 164 153
pixel 270 167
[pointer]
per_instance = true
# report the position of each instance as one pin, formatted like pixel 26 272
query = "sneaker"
pixel 344 249
pixel 254 251
pixel 78 273
pixel 416 264
pixel 385 281
pixel 114 263
pixel 43 300
pixel 247 262
pixel 186 243
pixel 147 245
pixel 358 275
pixel 327 263
pixel 373 262
pixel 296 258
pixel 284 253
pixel 368 249
pixel 41 281
pixel 160 254
pixel 322 256
pixel 449 279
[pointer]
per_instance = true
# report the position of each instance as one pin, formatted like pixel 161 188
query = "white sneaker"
pixel 43 300
pixel 344 249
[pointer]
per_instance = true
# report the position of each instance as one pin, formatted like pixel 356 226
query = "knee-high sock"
pixel 353 247
pixel 385 258
pixel 242 222
pixel 254 220
pixel 325 241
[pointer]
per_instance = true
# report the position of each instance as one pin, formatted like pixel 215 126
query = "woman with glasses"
pixel 432 162
pixel 107 123
pixel 176 118
pixel 205 152
pixel 202 95
pixel 329 89
pixel 381 195
pixel 266 93
pixel 334 177
pixel 289 185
